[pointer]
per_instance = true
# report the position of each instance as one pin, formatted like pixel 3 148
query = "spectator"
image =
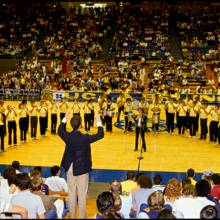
pixel 28 200
pixel 157 186
pixel 141 195
pixel 55 182
pixel 191 175
pixel 215 191
pixel 36 186
pixel 106 206
pixel 166 214
pixel 129 184
pixel 16 165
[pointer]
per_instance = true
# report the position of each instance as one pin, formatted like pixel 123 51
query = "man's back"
pixel 56 184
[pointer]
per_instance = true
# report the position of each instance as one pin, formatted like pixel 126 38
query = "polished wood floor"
pixel 116 151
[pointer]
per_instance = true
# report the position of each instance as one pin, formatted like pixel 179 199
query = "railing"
pixel 20 94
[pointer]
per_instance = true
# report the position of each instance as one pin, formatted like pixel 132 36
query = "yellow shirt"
pixel 43 111
pixel 63 107
pixel 170 108
pixel 128 107
pixel 11 115
pixel 193 182
pixel 54 108
pixel 33 111
pixel 87 110
pixel 1 119
pixel 182 110
pixel 76 108
pixel 128 185
pixel 203 114
pixel 193 111
pixel 214 115
pixel 23 113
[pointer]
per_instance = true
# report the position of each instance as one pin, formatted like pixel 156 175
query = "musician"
pixel 12 126
pixel 144 105
pixel 182 110
pixel 54 110
pixel 141 124
pixel 156 115
pixel 43 118
pixel 108 109
pixel 3 110
pixel 101 103
pixel 92 107
pixel 76 108
pixel 34 119
pixel 213 127
pixel 128 113
pixel 87 115
pixel 27 111
pixel 120 104
pixel 203 114
pixel 193 111
pixel 171 108
pixel 63 108
pixel 198 105
pixel 23 123
pixel 2 131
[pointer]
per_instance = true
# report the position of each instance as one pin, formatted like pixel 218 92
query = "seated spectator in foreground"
pixel 203 189
pixel 37 174
pixel 106 206
pixel 55 182
pixel 16 165
pixel 126 200
pixel 166 214
pixel 191 175
pixel 141 195
pixel 157 186
pixel 215 191
pixel 36 186
pixel 129 184
pixel 209 212
pixel 207 175
pixel 28 200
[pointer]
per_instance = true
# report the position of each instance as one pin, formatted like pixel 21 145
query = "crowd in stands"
pixel 30 195
pixel 199 32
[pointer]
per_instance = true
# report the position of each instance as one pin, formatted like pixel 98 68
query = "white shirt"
pixel 56 184
pixel 191 207
pixel 29 201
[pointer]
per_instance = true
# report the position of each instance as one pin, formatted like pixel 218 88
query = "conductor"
pixel 77 161
pixel 141 125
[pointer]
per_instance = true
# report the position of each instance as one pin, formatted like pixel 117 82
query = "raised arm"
pixel 62 131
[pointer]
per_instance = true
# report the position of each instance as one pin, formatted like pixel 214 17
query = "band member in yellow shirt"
pixel 43 118
pixel 213 127
pixel 128 114
pixel 193 110
pixel 54 110
pixel 3 111
pixel 63 108
pixel 108 111
pixel 120 104
pixel 76 108
pixel 2 132
pixel 12 126
pixel 87 115
pixel 34 119
pixel 23 113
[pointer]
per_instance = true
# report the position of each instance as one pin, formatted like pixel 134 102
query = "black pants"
pixel 43 125
pixel 34 126
pixel 62 115
pixel 47 121
pixel 192 126
pixel 12 127
pixel 92 118
pixel 182 124
pixel 87 120
pixel 213 131
pixel 108 122
pixel 53 123
pixel 197 122
pixel 170 122
pixel 219 134
pixel 121 109
pixel 204 128
pixel 4 120
pixel 2 136
pixel 140 131
pixel 155 126
pixel 23 129
pixel 127 123
pixel 27 122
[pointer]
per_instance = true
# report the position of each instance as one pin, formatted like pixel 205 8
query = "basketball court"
pixel 165 152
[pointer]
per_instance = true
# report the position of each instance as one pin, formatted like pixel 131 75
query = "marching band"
pixel 188 113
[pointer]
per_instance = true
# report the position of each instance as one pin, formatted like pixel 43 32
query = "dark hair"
pixel 157 179
pixel 186 181
pixel 209 212
pixel 23 181
pixel 130 175
pixel 104 201
pixel 15 164
pixel 138 175
pixel 34 174
pixel 166 214
pixel 203 188
pixel 39 168
pixel 115 187
pixel 75 122
pixel 190 172
pixel 10 175
pixel 144 182
pixel 54 170
pixel 216 178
